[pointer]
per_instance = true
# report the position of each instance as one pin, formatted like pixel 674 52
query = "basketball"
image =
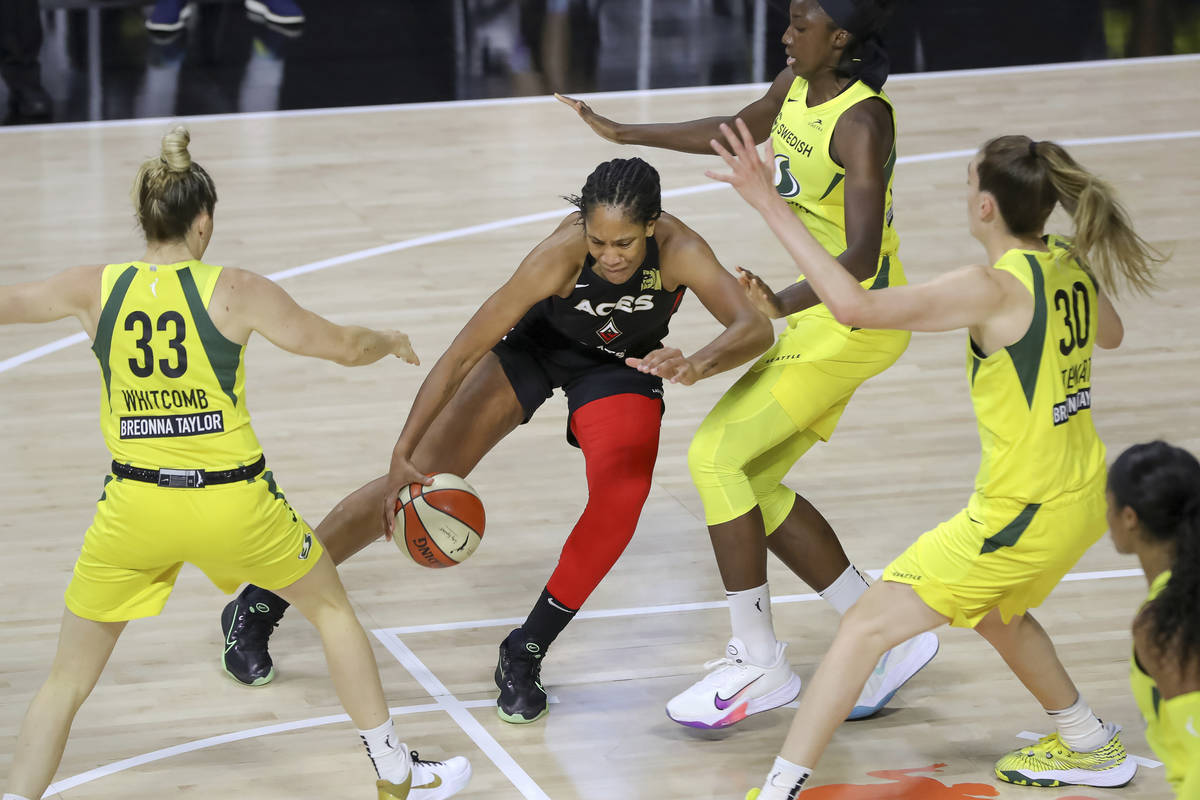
pixel 439 525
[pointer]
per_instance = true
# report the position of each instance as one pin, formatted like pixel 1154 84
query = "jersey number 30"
pixel 1076 309
pixel 145 367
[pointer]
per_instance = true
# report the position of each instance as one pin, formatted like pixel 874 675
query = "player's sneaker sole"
pixel 774 699
pixel 1115 777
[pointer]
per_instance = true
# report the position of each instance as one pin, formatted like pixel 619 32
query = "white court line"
pixel 226 738
pixel 1067 66
pixel 681 607
pixel 458 233
pixel 458 711
pixel 1141 762
pixel 237 736
pixel 437 689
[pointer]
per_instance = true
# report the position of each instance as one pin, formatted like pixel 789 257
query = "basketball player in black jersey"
pixel 586 311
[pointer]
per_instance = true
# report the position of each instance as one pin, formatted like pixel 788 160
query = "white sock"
pixel 387 753
pixel 845 591
pixel 1079 728
pixel 13 797
pixel 750 618
pixel 784 781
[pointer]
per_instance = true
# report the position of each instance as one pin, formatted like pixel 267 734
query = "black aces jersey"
pixel 623 320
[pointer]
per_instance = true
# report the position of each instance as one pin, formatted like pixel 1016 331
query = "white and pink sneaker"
pixel 734 689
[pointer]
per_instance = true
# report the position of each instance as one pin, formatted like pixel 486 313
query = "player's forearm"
pixel 797 297
pixel 436 390
pixel 362 346
pixel 748 337
pixel 833 284
pixel 692 136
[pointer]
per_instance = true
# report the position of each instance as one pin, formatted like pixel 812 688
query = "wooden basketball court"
pixel 408 217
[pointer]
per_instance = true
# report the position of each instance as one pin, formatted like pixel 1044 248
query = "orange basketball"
pixel 439 525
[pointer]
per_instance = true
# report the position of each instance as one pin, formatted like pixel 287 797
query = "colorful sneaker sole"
pixel 780 697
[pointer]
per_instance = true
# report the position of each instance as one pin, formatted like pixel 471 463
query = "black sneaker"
pixel 518 676
pixel 247 623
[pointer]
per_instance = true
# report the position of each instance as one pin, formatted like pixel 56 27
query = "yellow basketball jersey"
pixel 174 390
pixel 808 178
pixel 1172 726
pixel 813 184
pixel 1033 399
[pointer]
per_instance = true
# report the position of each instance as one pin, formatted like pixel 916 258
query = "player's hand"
pixel 667 363
pixel 401 474
pixel 753 177
pixel 761 295
pixel 401 347
pixel 605 127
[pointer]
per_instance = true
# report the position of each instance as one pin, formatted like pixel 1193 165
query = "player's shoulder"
pixel 673 235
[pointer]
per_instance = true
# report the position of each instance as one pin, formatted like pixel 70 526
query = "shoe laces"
pixel 522 666
pixel 416 759
pixel 718 668
pixel 254 627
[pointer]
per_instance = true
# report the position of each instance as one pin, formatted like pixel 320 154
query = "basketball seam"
pixel 460 520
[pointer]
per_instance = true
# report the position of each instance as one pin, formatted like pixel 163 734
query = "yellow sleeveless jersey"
pixel 813 184
pixel 1033 399
pixel 1172 726
pixel 174 392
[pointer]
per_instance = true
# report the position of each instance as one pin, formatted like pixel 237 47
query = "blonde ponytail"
pixel 1104 237
pixel 171 190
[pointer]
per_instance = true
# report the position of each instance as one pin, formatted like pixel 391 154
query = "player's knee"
pixel 709 463
pixel 866 626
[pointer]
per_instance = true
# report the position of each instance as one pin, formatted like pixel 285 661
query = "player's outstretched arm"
pixel 542 273
pixel 73 292
pixel 967 297
pixel 246 301
pixel 691 136
pixel 1109 328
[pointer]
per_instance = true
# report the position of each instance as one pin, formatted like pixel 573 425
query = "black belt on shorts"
pixel 189 478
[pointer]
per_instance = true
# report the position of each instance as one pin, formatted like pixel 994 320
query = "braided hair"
pixel 1162 484
pixel 629 184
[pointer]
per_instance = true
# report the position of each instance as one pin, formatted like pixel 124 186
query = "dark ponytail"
pixel 1162 484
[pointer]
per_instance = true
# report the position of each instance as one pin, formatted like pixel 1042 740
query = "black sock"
pixel 254 594
pixel 547 620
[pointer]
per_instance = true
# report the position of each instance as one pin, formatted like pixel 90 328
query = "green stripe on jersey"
pixel 102 344
pixel 1010 534
pixel 224 356
pixel 1026 354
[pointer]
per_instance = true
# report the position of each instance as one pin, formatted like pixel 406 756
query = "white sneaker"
pixel 428 780
pixel 893 671
pixel 734 689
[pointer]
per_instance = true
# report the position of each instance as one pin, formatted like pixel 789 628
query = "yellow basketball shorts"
pixel 791 398
pixel 1001 555
pixel 143 533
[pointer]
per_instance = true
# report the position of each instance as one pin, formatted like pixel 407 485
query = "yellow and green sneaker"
pixel 1050 762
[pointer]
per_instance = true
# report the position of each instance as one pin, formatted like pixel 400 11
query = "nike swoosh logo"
pixel 554 603
pixel 721 703
pixel 229 643
pixel 1191 727
pixel 433 784
pixel 881 667
pixel 582 285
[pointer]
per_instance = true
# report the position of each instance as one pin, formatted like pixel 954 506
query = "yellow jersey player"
pixel 189 481
pixel 834 133
pixel 1033 318
pixel 1154 513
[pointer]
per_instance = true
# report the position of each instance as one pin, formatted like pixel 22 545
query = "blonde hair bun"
pixel 175 149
